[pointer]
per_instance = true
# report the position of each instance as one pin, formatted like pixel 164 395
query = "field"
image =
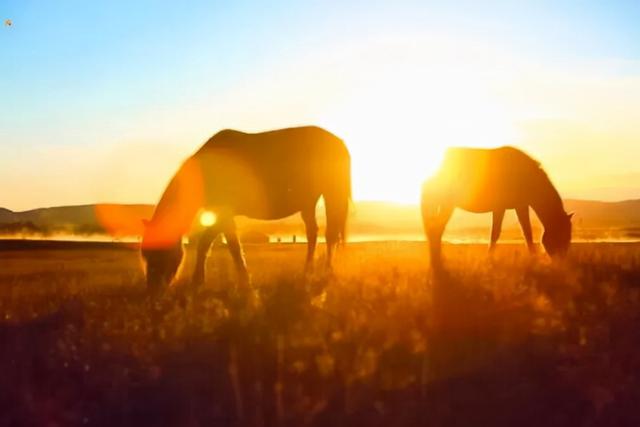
pixel 502 340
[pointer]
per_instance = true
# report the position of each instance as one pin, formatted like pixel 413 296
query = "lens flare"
pixel 208 218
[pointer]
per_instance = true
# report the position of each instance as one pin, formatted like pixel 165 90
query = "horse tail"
pixel 342 237
pixel 428 206
pixel 338 199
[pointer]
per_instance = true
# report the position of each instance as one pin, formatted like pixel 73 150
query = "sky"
pixel 101 101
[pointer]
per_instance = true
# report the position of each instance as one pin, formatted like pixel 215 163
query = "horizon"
pixel 369 220
pixel 389 202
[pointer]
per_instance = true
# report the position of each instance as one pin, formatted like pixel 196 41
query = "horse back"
pixel 302 145
pixel 281 169
pixel 482 180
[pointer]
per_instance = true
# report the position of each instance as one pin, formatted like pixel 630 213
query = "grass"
pixel 384 341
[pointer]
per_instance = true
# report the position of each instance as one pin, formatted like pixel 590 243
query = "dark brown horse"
pixel 493 180
pixel 267 175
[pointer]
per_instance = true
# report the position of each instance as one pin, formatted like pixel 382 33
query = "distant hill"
pixel 5 215
pixel 60 215
pixel 82 219
pixel 368 219
pixel 605 214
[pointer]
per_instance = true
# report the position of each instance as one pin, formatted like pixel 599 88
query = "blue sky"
pixel 82 73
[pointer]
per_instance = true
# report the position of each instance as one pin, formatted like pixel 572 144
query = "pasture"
pixel 501 340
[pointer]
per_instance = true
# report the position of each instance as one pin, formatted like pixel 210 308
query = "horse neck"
pixel 546 201
pixel 179 204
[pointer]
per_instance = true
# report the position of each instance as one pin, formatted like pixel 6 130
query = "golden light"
pixel 391 159
pixel 208 218
pixel 400 117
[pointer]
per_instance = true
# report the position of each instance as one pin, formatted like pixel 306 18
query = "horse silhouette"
pixel 493 180
pixel 268 175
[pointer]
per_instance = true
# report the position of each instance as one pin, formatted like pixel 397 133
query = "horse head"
pixel 557 237
pixel 162 260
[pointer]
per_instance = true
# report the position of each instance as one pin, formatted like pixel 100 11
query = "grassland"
pixel 385 341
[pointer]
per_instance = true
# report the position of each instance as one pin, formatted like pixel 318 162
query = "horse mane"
pixel 548 199
pixel 547 188
pixel 178 205
pixel 169 197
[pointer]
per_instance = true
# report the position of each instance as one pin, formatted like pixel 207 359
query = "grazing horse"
pixel 268 175
pixel 493 180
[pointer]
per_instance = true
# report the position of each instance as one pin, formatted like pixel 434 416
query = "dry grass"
pixel 507 340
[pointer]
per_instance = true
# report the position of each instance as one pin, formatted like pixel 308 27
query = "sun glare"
pixel 399 120
pixel 208 218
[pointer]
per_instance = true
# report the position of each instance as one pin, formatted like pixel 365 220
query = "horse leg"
pixel 235 249
pixel 434 225
pixel 525 224
pixel 311 228
pixel 206 239
pixel 436 211
pixel 496 228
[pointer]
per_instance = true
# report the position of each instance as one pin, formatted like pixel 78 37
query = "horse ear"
pixel 570 215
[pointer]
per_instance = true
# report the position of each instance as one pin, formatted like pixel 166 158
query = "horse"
pixel 268 175
pixel 493 180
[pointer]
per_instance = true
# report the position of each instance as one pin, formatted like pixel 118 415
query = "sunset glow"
pixel 399 83
pixel 402 117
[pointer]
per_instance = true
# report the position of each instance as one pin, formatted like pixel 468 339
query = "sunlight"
pixel 208 218
pixel 401 116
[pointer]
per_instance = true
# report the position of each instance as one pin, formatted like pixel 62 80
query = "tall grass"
pixel 506 339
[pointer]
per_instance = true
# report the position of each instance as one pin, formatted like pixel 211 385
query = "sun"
pixel 399 118
pixel 394 149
